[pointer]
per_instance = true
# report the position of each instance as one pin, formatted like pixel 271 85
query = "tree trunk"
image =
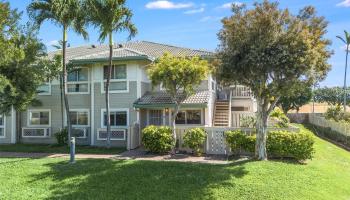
pixel 64 44
pixel 109 71
pixel 61 91
pixel 176 111
pixel 346 68
pixel 261 130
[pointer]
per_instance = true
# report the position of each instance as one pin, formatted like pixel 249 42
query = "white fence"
pixel 236 118
pixel 134 137
pixel 215 142
pixel 318 120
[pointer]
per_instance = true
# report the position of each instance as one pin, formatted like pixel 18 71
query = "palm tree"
pixel 346 41
pixel 109 16
pixel 68 15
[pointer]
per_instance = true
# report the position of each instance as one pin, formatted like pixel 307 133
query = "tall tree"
pixel 178 76
pixel 23 67
pixel 269 50
pixel 110 16
pixel 346 41
pixel 331 95
pixel 68 14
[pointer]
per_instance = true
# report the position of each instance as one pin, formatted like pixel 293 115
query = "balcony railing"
pixel 241 91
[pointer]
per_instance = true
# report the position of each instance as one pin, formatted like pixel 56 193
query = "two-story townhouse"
pixel 133 100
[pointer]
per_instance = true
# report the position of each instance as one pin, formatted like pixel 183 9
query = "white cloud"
pixel 345 3
pixel 229 5
pixel 194 11
pixel 163 4
pixel 210 18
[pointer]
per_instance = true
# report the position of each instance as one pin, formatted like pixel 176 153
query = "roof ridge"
pixel 170 45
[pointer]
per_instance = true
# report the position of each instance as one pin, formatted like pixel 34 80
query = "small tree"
pixel 269 50
pixel 300 95
pixel 179 76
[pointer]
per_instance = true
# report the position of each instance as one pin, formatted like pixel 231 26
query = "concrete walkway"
pixel 137 154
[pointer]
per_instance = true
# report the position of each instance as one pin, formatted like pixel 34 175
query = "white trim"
pixel 46 132
pixel 116 80
pixel 13 124
pixel 113 129
pixel 92 117
pixel 38 125
pixel 79 82
pixel 79 110
pixel 115 91
pixel 115 110
pixel 3 126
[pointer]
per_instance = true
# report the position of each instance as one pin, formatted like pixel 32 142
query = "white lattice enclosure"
pixel 36 132
pixel 116 134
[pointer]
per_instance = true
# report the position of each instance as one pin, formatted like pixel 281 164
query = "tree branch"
pixel 272 106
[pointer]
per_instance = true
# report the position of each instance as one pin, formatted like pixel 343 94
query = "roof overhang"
pixel 98 60
pixel 162 106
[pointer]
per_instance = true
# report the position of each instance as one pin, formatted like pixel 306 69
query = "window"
pixel 118 78
pixel 78 81
pixel 117 117
pixel 189 117
pixel 2 126
pixel 155 117
pixel 39 118
pixel 239 108
pixel 45 88
pixel 79 118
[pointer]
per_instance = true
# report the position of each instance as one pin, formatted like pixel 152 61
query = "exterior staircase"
pixel 222 112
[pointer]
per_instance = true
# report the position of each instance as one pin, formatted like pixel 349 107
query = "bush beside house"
pixel 194 139
pixel 158 139
pixel 281 144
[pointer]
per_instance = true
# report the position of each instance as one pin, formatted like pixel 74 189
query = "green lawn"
pixel 42 148
pixel 326 177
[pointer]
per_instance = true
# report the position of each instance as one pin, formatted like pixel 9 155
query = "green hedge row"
pixel 282 144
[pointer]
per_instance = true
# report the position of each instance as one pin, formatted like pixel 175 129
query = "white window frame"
pixel 46 93
pixel 38 125
pixel 80 110
pixel 115 81
pixel 115 110
pixel 186 124
pixel 80 82
pixel 3 126
pixel 162 118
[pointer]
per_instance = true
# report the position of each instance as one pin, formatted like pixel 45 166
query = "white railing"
pixel 29 132
pixel 241 91
pixel 116 134
pixel 236 118
pixel 215 141
pixel 318 120
pixel 229 111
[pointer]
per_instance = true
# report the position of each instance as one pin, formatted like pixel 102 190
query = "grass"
pixel 325 177
pixel 47 148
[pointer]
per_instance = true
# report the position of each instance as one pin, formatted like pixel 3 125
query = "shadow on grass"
pixel 113 179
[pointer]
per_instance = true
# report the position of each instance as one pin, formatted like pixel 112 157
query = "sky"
pixel 195 24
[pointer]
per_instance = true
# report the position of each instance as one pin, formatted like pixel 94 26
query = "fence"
pixel 215 142
pixel 236 118
pixel 320 121
pixel 134 136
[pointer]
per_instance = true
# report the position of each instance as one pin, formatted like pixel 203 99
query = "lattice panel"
pixel 34 132
pixel 115 134
pixel 79 132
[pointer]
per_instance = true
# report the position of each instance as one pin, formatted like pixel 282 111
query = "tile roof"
pixel 159 98
pixel 149 50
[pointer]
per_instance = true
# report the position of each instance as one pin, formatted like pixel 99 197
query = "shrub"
pixel 248 122
pixel 239 141
pixel 62 137
pixel 194 139
pixel 335 113
pixel 282 144
pixel 280 117
pixel 158 139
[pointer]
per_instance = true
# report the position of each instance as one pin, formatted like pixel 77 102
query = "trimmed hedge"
pixel 282 144
pixel 158 139
pixel 194 139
